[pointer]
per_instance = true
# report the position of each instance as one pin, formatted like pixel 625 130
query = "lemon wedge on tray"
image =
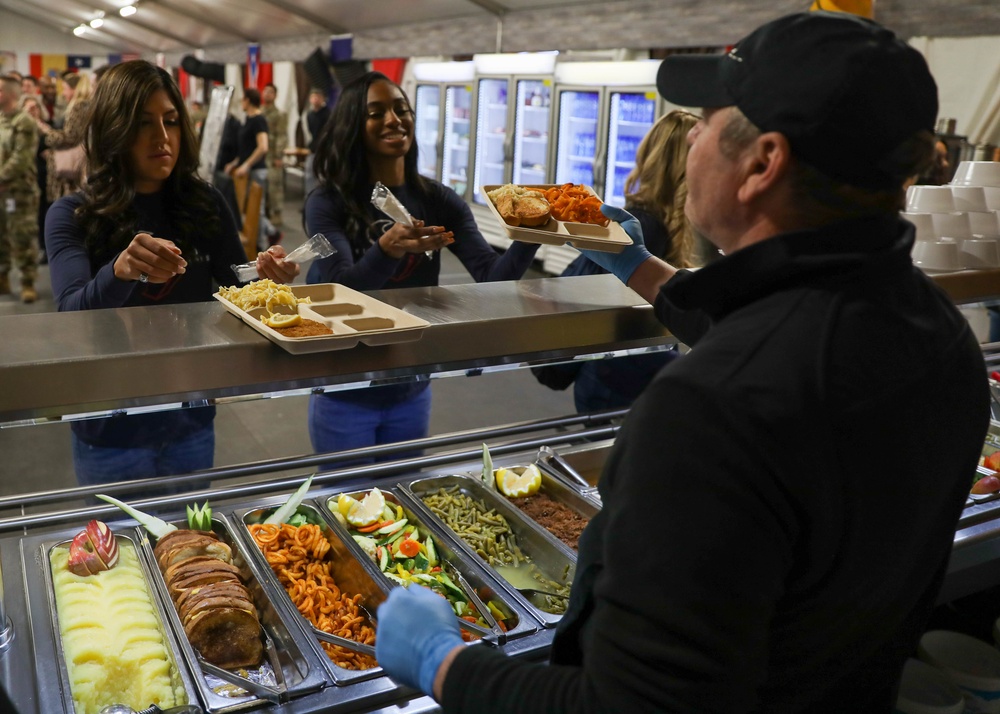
pixel 366 511
pixel 519 481
pixel 281 320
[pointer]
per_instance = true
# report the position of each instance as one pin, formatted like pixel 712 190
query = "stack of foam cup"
pixel 969 664
pixel 958 225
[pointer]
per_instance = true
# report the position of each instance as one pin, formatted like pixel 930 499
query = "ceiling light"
pixel 79 30
pixel 127 10
pixel 97 22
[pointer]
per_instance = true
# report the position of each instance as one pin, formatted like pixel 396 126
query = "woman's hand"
pixel 149 260
pixel 241 170
pixel 270 264
pixel 400 240
pixel 231 166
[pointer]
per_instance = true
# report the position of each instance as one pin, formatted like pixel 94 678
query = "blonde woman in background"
pixel 655 192
pixel 77 91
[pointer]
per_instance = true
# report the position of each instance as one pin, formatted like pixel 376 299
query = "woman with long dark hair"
pixel 370 138
pixel 145 230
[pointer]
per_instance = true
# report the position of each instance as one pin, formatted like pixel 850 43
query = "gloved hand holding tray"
pixel 609 238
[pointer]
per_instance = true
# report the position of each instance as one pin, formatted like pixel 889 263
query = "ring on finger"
pixel 143 278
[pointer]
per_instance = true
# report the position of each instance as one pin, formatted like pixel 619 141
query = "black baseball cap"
pixel 844 90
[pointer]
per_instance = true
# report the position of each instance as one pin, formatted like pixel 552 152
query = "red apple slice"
pixel 83 558
pixel 104 542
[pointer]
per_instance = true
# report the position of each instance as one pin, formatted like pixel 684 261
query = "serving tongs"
pixel 494 628
pixel 550 458
pixel 346 643
pixel 275 695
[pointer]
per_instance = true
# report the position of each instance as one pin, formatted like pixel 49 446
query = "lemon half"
pixel 281 320
pixel 366 511
pixel 519 481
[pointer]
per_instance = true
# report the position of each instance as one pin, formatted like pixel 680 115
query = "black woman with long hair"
pixel 144 230
pixel 369 138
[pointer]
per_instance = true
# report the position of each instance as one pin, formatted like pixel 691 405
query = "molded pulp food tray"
pixel 610 239
pixel 353 316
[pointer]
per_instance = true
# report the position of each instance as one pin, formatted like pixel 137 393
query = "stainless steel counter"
pixel 57 364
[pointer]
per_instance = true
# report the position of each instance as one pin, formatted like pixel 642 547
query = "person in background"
pixel 50 100
pixel 32 106
pixel 198 116
pixel 252 158
pixel 316 117
pixel 145 230
pixel 277 141
pixel 370 138
pixel 18 191
pixel 785 568
pixel 655 191
pixel 31 87
pixel 940 171
pixel 77 92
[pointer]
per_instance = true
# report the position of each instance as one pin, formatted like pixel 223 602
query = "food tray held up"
pixel 609 239
pixel 353 316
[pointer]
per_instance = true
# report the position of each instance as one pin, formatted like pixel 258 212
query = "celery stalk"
pixel 288 510
pixel 154 525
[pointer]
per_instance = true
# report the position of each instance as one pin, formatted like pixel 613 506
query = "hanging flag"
pixel 864 8
pixel 341 48
pixel 47 65
pixel 78 61
pixel 391 68
pixel 253 64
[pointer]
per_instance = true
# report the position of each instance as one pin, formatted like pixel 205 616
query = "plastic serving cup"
pixel 977 173
pixel 955 225
pixel 971 665
pixel 968 198
pixel 936 255
pixel 979 253
pixel 923 223
pixel 929 199
pixel 926 690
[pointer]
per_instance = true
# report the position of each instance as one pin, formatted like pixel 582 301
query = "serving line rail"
pixel 64 364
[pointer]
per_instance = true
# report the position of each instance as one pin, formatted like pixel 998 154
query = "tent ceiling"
pixel 179 25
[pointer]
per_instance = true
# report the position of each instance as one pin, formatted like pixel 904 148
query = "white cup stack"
pixel 964 213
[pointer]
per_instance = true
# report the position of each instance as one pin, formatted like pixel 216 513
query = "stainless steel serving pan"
pixel 349 573
pixel 291 668
pixel 573 498
pixel 549 554
pixel 586 461
pixel 484 586
pixel 54 693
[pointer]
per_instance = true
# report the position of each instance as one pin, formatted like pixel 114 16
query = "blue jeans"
pixel 108 464
pixel 339 424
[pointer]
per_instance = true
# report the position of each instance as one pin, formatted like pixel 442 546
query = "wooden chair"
pixel 251 219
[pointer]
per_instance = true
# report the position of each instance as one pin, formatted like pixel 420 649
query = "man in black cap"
pixel 780 505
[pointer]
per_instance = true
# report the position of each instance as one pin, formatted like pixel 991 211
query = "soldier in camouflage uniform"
pixel 18 191
pixel 277 140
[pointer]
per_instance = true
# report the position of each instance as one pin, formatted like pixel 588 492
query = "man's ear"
pixel 765 164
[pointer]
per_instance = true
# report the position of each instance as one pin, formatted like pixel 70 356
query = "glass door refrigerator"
pixel 513 108
pixel 491 164
pixel 580 126
pixel 427 120
pixel 604 111
pixel 442 98
pixel 532 115
pixel 630 117
pixel 457 137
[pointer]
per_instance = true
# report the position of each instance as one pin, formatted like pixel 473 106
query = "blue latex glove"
pixel 622 264
pixel 416 629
